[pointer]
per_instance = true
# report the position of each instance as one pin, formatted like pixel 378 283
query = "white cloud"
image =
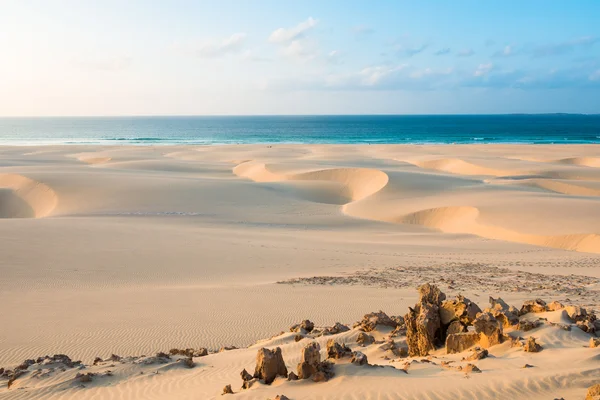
pixel 300 50
pixel 483 69
pixel 372 76
pixel 283 35
pixel 218 48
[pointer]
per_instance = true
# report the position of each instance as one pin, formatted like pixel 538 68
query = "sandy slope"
pixel 138 249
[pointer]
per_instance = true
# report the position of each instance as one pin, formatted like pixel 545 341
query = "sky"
pixel 226 57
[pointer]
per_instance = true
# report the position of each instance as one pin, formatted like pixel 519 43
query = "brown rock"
pixel 364 339
pixel 84 378
pixel 594 342
pixel 227 390
pixel 335 329
pixel 531 346
pixel 298 337
pixel 281 397
pixel 309 360
pixel 478 354
pixel 533 306
pixel 292 376
pixel 455 327
pixel 359 358
pixel 305 326
pixel 459 342
pixel 593 392
pixel 489 330
pixel 188 362
pixel 269 365
pixel 423 328
pixel 586 326
pixel 471 368
pixel 526 326
pixel 460 309
pixel 431 294
pixel 371 320
pixel 555 306
pixel 201 352
pixel 246 375
pixel 336 350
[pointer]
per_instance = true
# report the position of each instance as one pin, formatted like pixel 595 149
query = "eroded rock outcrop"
pixel 371 320
pixel 489 329
pixel 364 339
pixel 423 325
pixel 359 358
pixel 337 350
pixel 459 309
pixel 269 365
pixel 459 342
pixel 531 346
pixel 533 306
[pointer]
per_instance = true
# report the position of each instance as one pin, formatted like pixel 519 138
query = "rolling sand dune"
pixel 135 250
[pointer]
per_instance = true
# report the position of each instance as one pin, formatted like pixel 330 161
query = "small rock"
pixel 527 366
pixel 593 392
pixel 555 306
pixel 227 390
pixel 489 329
pixel 305 326
pixel 336 350
pixel 478 354
pixel 533 306
pixel 364 339
pixel 526 326
pixel 269 365
pixel 456 327
pixel 359 358
pixel 281 397
pixel 594 342
pixel 292 376
pixel 459 342
pixel 84 378
pixel 246 376
pixel 531 346
pixel 471 368
pixel 371 320
pixel 298 337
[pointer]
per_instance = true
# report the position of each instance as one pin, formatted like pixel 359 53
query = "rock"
pixel 527 366
pixel 526 326
pixel 246 376
pixel 364 339
pixel 371 320
pixel 586 326
pixel 84 378
pixel 359 358
pixel 423 328
pixel 114 358
pixel 335 329
pixel 498 304
pixel 309 360
pixel 12 377
pixel 455 327
pixel 555 306
pixel 292 376
pixel 281 397
pixel 201 352
pixel 324 372
pixel 431 294
pixel 594 342
pixel 577 313
pixel 97 360
pixel 593 392
pixel 390 345
pixel 531 346
pixel 471 368
pixel 269 365
pixel 227 390
pixel 459 342
pixel 533 306
pixel 188 362
pixel 460 309
pixel 304 326
pixel 489 329
pixel 336 350
pixel 227 348
pixel 298 337
pixel 478 354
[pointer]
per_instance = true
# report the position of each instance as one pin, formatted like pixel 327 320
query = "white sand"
pixel 132 250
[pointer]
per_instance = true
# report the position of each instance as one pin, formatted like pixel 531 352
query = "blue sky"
pixel 108 57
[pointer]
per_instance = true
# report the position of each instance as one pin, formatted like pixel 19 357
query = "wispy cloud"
pixel 301 50
pixel 220 47
pixel 507 51
pixel 483 69
pixel 286 35
pixel 442 52
pixel 465 53
pixel 564 47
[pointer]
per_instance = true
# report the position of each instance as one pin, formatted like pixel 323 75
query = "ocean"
pixel 359 129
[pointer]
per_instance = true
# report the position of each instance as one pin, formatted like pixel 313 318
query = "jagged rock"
pixel 248 384
pixel 594 342
pixel 309 360
pixel 586 326
pixel 114 358
pixel 324 372
pixel 526 326
pixel 576 313
pixel 292 376
pixel 390 345
pixel 471 368
pixel 506 318
pixel 455 327
pixel 431 294
pixel 227 390
pixel 335 329
pixel 593 392
pixel 371 320
pixel 555 306
pixel 359 358
pixel 298 337
pixel 12 376
pixel 336 350
pixel 460 309
pixel 527 366
pixel 533 306
pixel 365 339
pixel 489 329
pixel 305 326
pixel 459 342
pixel 423 327
pixel 246 376
pixel 531 346
pixel 477 354
pixel 201 352
pixel 227 348
pixel 187 362
pixel 269 365
pixel 281 397
pixel 97 360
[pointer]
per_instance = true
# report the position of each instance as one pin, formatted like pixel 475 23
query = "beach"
pixel 132 250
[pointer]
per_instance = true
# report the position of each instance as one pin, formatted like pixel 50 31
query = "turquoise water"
pixel 414 129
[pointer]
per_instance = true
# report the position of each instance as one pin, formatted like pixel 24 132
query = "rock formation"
pixel 269 365
pixel 489 329
pixel 423 325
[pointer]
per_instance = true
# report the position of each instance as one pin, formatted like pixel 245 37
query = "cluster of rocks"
pixel 307 328
pixel 57 361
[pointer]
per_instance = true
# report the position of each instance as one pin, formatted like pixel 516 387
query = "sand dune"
pixel 25 198
pixel 584 161
pixel 153 247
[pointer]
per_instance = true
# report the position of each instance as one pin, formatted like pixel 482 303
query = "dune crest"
pixel 593 162
pixel 28 198
pixel 458 166
pixel 357 183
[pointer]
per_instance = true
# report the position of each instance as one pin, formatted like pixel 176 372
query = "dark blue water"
pixel 419 129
